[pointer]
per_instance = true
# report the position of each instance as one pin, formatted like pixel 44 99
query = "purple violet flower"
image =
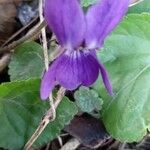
pixel 80 34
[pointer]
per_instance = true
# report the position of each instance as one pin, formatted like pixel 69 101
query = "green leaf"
pixel 87 3
pixel 127 59
pixel 143 6
pixel 88 100
pixel 21 111
pixel 27 62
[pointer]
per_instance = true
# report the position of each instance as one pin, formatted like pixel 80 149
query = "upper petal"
pixel 67 21
pixel 102 18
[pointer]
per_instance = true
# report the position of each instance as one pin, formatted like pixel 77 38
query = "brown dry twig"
pixel 43 32
pixel 4 61
pixel 46 119
pixel 13 1
pixel 72 144
pixel 35 31
pixel 134 2
pixel 19 32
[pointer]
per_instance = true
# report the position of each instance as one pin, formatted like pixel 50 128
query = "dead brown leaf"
pixel 7 20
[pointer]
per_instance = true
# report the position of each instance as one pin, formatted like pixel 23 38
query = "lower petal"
pixel 67 72
pixel 77 68
pixel 48 81
pixel 90 69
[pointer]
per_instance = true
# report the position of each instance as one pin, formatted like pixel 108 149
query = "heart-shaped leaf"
pixel 21 111
pixel 143 6
pixel 127 58
pixel 27 62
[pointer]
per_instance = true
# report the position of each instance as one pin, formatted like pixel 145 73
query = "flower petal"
pixel 76 68
pixel 67 21
pixel 67 72
pixel 90 69
pixel 102 18
pixel 47 84
pixel 105 78
pixel 49 80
